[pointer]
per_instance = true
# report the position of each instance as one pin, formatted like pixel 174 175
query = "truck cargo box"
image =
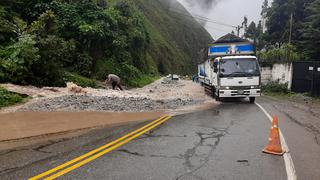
pixel 230 45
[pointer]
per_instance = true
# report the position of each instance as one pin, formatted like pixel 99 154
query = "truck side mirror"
pixel 215 67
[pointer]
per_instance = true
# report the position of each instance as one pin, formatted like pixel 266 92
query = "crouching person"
pixel 114 80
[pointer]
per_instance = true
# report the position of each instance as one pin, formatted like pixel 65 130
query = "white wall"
pixel 266 74
pixel 279 72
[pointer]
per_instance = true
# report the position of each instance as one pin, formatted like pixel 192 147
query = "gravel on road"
pixel 163 94
pixel 105 103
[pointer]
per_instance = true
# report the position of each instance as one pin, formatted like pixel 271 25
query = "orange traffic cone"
pixel 274 146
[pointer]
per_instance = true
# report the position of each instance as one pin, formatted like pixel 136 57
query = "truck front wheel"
pixel 217 98
pixel 252 100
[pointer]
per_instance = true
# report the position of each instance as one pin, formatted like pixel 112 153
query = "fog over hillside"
pixel 230 12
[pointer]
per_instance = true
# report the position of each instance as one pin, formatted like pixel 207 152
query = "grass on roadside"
pixel 281 91
pixel 8 98
pixel 143 80
pixel 277 90
pixel 79 80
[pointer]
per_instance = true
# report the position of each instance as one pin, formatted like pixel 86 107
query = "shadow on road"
pixel 235 100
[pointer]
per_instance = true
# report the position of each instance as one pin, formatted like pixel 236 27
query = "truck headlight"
pixel 224 87
pixel 255 87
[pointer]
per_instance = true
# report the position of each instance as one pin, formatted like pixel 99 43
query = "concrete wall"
pixel 278 72
pixel 266 74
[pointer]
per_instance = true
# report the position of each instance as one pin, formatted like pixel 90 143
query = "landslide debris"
pixel 163 94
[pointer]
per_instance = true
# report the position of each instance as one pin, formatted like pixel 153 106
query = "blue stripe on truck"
pixel 220 49
pixel 243 48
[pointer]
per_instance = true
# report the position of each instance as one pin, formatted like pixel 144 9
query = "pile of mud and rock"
pixel 163 94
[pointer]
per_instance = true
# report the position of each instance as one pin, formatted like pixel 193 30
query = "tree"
pixel 38 54
pixel 11 26
pixel 278 22
pixel 260 37
pixel 244 24
pixel 251 31
pixel 265 9
pixel 311 32
pixel 255 33
pixel 17 60
pixel 278 18
pixel 299 13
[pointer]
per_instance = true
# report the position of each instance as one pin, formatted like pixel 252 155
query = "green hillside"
pixel 175 34
pixel 43 41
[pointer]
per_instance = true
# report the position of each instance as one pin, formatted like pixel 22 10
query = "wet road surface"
pixel 220 143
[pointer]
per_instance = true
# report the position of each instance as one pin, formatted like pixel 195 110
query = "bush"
pixel 286 53
pixel 276 87
pixel 103 68
pixel 83 64
pixel 17 59
pixel 79 80
pixel 8 98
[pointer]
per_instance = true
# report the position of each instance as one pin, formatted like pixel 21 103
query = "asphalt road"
pixel 220 143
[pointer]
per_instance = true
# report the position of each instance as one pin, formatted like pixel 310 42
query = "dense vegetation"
pixel 292 30
pixel 47 42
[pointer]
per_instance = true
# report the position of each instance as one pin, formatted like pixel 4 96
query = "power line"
pixel 214 21
pixel 207 26
pixel 218 29
pixel 204 19
pixel 198 17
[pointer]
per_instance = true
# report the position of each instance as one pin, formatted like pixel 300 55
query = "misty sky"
pixel 225 11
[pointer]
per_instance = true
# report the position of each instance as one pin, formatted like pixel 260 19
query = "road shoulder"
pixel 300 126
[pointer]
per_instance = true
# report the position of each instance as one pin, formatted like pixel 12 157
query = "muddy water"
pixel 193 108
pixel 25 128
pixel 20 125
pixel 30 124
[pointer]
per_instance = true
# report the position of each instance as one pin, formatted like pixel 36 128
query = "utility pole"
pixel 291 26
pixel 290 36
pixel 238 30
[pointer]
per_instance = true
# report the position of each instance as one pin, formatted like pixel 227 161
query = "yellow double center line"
pixel 96 153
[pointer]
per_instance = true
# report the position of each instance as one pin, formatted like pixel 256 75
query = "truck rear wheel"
pixel 252 100
pixel 213 92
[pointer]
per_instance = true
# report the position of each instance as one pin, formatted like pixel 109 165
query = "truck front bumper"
pixel 240 93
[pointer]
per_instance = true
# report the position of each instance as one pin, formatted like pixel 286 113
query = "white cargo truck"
pixel 231 69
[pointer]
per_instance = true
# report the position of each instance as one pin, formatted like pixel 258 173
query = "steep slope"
pixel 176 38
pixel 50 42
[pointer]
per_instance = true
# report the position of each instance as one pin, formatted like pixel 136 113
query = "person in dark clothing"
pixel 114 80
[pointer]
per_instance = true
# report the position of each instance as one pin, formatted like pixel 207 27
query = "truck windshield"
pixel 239 67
